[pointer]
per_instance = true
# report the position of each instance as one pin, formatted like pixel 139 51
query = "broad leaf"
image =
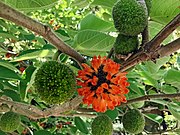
pixel 173 77
pixel 154 67
pixel 91 43
pixel 81 125
pixel 112 114
pixel 167 89
pixel 154 29
pixel 105 3
pixel 29 5
pixel 164 10
pixel 94 23
pixel 174 112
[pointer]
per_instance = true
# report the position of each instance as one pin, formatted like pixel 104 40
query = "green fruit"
pixel 130 17
pixel 102 125
pixel 9 122
pixel 55 82
pixel 133 121
pixel 125 44
pixel 148 5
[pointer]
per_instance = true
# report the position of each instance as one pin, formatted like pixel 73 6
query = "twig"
pixel 163 34
pixel 19 18
pixel 134 100
pixel 110 53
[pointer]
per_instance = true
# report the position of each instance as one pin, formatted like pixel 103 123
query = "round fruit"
pixel 102 125
pixel 133 121
pixel 148 5
pixel 9 122
pixel 130 17
pixel 125 44
pixel 55 82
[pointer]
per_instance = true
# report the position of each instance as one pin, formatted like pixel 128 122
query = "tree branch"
pixel 163 34
pixel 169 48
pixel 19 18
pixel 134 100
pixel 149 50
pixel 35 113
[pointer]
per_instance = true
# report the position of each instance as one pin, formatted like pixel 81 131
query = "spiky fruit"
pixel 55 82
pixel 125 44
pixel 130 17
pixel 102 125
pixel 133 121
pixel 9 122
pixel 148 5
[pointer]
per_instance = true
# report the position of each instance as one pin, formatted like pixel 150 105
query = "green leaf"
pixel 91 43
pixel 154 29
pixel 81 125
pixel 112 114
pixel 95 23
pixel 167 89
pixel 7 35
pixel 12 94
pixel 42 132
pixel 154 67
pixel 30 5
pixel 7 73
pixel 80 3
pixel 22 89
pixel 34 53
pixel 154 117
pixel 174 112
pixel 8 65
pixel 133 86
pixel 105 3
pixel 164 10
pixel 173 77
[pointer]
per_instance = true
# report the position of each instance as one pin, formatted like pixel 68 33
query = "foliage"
pixel 87 26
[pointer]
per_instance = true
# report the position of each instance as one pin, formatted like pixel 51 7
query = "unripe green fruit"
pixel 133 121
pixel 148 5
pixel 9 122
pixel 55 82
pixel 125 44
pixel 130 17
pixel 102 125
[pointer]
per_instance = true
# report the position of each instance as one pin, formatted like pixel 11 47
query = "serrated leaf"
pixel 91 43
pixel 95 23
pixel 7 73
pixel 164 10
pixel 30 5
pixel 81 125
pixel 105 3
pixel 154 117
pixel 173 77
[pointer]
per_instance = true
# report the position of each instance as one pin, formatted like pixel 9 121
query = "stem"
pixel 21 19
